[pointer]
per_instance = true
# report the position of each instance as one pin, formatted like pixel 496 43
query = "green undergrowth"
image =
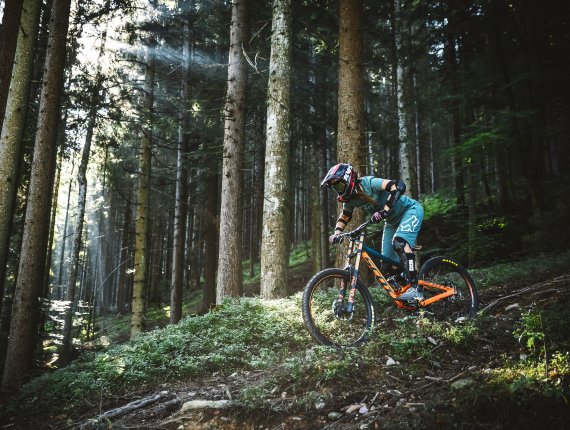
pixel 543 361
pixel 269 338
pixel 242 333
pixel 313 376
pixel 528 270
pixel 299 254
pixel 530 386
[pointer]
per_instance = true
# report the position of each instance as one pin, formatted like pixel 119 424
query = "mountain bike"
pixel 339 310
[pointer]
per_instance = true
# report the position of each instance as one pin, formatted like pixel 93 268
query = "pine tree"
pixel 230 282
pixel 275 234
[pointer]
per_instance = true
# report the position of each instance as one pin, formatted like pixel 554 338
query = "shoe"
pixel 412 295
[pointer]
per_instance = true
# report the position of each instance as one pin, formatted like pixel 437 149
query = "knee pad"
pixel 399 244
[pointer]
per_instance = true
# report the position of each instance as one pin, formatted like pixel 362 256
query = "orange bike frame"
pixel 361 253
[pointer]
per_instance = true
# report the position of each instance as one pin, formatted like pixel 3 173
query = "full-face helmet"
pixel 342 178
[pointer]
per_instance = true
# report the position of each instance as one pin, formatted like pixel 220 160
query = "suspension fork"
pixel 354 275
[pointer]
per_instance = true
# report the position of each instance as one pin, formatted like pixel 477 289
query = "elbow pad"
pixel 395 194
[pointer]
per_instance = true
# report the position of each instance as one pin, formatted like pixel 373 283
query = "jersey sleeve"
pixel 376 185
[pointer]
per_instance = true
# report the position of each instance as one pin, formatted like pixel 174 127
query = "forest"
pixel 161 209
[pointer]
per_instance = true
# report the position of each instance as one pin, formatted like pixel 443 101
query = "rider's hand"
pixel 379 216
pixel 334 238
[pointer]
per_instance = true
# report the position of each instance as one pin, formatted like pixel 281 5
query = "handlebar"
pixel 356 232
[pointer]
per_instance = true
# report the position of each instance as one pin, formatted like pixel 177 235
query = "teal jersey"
pixel 372 186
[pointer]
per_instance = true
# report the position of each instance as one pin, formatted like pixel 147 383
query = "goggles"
pixel 339 186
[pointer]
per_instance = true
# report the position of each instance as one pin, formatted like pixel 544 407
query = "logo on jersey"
pixel 410 224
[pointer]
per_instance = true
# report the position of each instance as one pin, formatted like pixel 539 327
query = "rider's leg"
pixel 406 254
pixel 387 250
pixel 404 239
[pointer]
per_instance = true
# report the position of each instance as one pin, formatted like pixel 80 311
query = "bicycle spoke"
pixel 462 304
pixel 328 319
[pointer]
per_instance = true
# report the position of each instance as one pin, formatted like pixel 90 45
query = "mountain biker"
pixel 384 199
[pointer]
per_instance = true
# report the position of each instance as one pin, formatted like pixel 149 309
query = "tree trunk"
pixel 122 282
pixel 11 138
pixel 210 236
pixel 143 203
pixel 403 134
pixel 275 233
pixel 321 87
pixel 230 274
pixel 34 241
pixel 455 108
pixel 350 138
pixel 8 42
pixel 181 208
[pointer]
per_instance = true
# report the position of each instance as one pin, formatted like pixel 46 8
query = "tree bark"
pixel 230 273
pixel 8 42
pixel 210 239
pixel 403 133
pixel 124 259
pixel 350 138
pixel 455 106
pixel 11 137
pixel 34 241
pixel 181 208
pixel 275 233
pixel 143 203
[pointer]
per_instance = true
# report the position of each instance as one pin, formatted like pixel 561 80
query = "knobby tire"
pixel 324 326
pixel 446 271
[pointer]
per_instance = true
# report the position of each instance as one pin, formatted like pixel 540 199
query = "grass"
pixel 299 254
pixel 242 333
pixel 527 270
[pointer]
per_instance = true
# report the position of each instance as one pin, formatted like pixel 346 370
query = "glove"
pixel 334 238
pixel 379 216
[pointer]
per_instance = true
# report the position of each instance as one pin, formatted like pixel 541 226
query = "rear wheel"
pixel 447 272
pixel 327 319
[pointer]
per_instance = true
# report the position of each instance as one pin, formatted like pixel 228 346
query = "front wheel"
pixel 445 271
pixel 332 322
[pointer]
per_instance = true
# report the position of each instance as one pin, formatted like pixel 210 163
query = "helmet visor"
pixel 339 186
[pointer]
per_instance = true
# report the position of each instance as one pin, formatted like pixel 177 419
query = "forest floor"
pixel 458 391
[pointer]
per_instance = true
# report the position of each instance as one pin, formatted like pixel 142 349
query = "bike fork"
pixel 352 292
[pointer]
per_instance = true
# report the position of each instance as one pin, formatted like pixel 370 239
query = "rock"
pixel 333 415
pixel 352 408
pixel 319 405
pixel 206 404
pixel 462 383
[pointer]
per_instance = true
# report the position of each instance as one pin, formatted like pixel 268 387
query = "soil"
pixel 423 395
